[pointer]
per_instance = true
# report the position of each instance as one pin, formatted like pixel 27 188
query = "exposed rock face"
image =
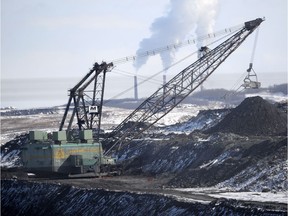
pixel 254 116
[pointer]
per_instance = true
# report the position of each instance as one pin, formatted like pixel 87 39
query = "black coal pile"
pixel 28 198
pixel 231 161
pixel 10 151
pixel 254 116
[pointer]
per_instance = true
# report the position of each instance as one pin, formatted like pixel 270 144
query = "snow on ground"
pixel 259 176
pixel 185 199
pixel 276 97
pixel 111 117
pixel 184 112
pixel 12 126
pixel 8 136
pixel 205 190
pixel 221 158
pixel 279 197
pixel 9 159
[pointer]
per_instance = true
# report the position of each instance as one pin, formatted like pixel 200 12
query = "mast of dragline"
pixel 86 105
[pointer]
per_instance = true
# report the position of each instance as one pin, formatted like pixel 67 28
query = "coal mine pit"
pixel 242 150
pixel 32 198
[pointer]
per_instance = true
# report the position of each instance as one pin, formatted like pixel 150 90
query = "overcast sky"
pixel 63 38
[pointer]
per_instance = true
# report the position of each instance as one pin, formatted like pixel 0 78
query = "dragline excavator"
pixel 178 88
pixel 77 151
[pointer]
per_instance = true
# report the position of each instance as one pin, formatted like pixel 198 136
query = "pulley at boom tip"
pixel 250 25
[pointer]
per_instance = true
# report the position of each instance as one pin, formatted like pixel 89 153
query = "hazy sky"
pixel 63 38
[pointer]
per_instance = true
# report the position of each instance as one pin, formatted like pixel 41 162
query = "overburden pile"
pixel 32 198
pixel 254 116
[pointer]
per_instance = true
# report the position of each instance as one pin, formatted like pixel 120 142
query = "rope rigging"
pixel 176 90
pixel 230 32
pixel 151 77
pixel 175 45
pixel 85 106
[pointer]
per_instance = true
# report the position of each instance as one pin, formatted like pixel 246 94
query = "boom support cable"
pixel 178 88
pixel 175 45
pixel 231 31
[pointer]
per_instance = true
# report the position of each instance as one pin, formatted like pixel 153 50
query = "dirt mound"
pixel 254 116
pixel 32 198
pixel 252 165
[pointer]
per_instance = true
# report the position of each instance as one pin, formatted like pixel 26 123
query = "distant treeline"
pixel 278 88
pixel 204 96
pixel 233 96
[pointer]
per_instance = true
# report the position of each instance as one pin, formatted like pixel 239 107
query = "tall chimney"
pixel 201 52
pixel 164 83
pixel 164 79
pixel 135 88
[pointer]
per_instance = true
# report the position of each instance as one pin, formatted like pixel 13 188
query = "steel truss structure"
pixel 86 100
pixel 178 88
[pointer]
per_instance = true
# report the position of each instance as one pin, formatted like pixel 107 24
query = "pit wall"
pixel 30 198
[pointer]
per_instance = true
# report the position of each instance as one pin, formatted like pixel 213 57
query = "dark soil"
pixel 245 141
pixel 254 116
pixel 268 152
pixel 31 198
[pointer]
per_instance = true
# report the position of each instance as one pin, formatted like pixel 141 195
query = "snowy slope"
pixel 16 123
pixel 196 159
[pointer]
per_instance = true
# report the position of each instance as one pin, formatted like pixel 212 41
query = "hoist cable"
pixel 243 75
pixel 254 46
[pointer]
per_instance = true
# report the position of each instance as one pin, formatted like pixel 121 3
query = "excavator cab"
pixel 251 80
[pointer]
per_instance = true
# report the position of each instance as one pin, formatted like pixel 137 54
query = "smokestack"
pixel 135 88
pixel 164 83
pixel 164 79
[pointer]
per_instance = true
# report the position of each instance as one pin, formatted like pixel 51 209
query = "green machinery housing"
pixel 59 155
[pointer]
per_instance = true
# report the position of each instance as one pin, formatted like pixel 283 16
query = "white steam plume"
pixel 182 18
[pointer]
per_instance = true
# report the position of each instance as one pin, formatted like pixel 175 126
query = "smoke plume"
pixel 182 18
